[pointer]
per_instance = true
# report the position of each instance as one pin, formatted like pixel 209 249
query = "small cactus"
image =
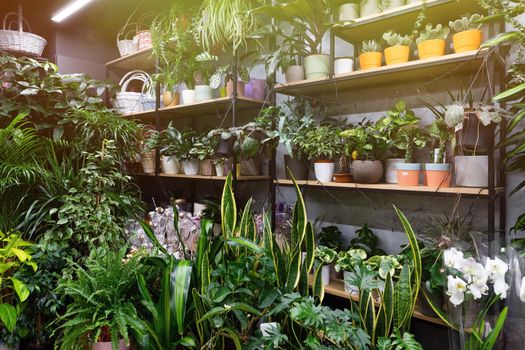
pixel 439 32
pixel 393 39
pixel 466 23
pixel 370 46
pixel 454 115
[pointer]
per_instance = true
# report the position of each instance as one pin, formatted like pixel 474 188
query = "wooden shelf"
pixel 208 178
pixel 144 60
pixel 336 288
pixel 459 63
pixel 449 191
pixel 402 19
pixel 144 116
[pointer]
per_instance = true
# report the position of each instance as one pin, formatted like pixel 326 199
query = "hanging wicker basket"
pixel 125 40
pixel 135 102
pixel 18 41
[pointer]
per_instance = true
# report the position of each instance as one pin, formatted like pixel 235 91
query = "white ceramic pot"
pixel 191 167
pixel 348 12
pixel 294 73
pixel 267 327
pixel 198 208
pixel 349 288
pixel 188 96
pixel 325 274
pixel 391 170
pixel 170 165
pixel 369 7
pixel 219 169
pixel 392 4
pixel 203 93
pixel 317 66
pixel 471 171
pixel 343 65
pixel 324 171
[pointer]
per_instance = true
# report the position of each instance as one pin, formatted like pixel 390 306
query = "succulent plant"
pixel 430 33
pixel 465 23
pixel 370 46
pixel 393 39
pixel 454 115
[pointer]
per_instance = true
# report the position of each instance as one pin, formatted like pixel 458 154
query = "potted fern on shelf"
pixel 468 34
pixel 431 41
pixel 371 55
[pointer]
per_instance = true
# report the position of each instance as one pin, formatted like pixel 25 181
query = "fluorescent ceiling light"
pixel 69 9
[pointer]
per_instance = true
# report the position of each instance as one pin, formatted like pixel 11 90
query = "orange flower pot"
pixel 408 174
pixel 437 175
pixel 431 48
pixel 368 60
pixel 468 40
pixel 397 54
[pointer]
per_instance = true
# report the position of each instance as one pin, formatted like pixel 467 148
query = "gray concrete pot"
pixel 298 167
pixel 367 171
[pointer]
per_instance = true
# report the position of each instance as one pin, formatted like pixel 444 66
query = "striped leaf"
pixel 247 225
pixel 294 269
pixel 245 243
pixel 180 279
pixel 299 220
pixel 228 208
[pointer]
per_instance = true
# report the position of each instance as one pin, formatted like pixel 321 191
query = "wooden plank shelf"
pixel 144 60
pixel 456 63
pixel 337 288
pixel 401 19
pixel 208 178
pixel 449 191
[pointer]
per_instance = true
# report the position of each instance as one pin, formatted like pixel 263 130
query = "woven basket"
pixel 126 46
pixel 19 41
pixel 133 102
pixel 148 162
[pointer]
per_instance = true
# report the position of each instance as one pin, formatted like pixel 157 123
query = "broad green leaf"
pixel 509 93
pixel 180 284
pixel 246 243
pixel 21 289
pixel 8 316
pixel 22 255
pixel 228 208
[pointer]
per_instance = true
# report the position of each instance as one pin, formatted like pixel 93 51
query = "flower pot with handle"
pixel 317 66
pixel 397 54
pixel 203 93
pixel 391 169
pixel 240 88
pixel 108 345
pixel 369 7
pixel 294 73
pixel 348 12
pixel 368 60
pixel 170 99
pixel 207 167
pixel 468 40
pixel 431 48
pixel 343 65
pixel 188 96
pixel 219 169
pixel 191 167
pixel 367 171
pixel 298 167
pixel 170 165
pixel 471 171
pixel 437 175
pixel 408 174
pixel 324 170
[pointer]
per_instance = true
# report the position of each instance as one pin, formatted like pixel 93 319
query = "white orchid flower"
pixel 473 271
pixel 522 290
pixel 477 290
pixel 456 289
pixel 496 268
pixel 453 258
pixel 500 287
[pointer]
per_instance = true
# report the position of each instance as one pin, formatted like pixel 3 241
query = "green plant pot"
pixel 317 66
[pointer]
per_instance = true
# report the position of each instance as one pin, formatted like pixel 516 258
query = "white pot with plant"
pixel 371 55
pixel 431 41
pixel 219 163
pixel 324 257
pixel 468 35
pixel 349 11
pixel 343 65
pixel 437 173
pixel 322 144
pixel 202 150
pixel 408 139
pixel 169 143
pixel 346 261
pixel 398 47
pixel 225 72
pixel 369 7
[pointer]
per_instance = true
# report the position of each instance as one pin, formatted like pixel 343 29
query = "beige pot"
pixel 170 99
pixel 207 167
pixel 148 162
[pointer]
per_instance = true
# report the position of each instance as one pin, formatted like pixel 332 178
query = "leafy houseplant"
pixel 437 173
pixel 169 141
pixel 431 41
pixel 398 47
pixel 310 21
pixel 371 54
pixel 322 144
pixel 325 256
pixel 367 241
pixel 408 139
pixel 330 236
pixel 468 34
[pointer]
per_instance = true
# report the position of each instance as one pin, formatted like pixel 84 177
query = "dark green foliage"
pixel 367 241
pixel 330 236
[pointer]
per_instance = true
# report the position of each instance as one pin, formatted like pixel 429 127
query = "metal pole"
pixel 272 170
pixel 234 116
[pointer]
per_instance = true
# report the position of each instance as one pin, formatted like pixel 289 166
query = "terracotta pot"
pixel 298 167
pixel 324 170
pixel 294 73
pixel 367 171
pixel 368 60
pixel 467 40
pixel 431 48
pixel 391 170
pixel 240 88
pixel 397 54
pixel 408 174
pixel 170 99
pixel 437 175
pixel 342 178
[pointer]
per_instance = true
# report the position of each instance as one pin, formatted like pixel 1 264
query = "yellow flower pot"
pixel 397 54
pixel 368 60
pixel 468 40
pixel 431 48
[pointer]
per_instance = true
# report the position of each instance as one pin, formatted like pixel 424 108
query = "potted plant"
pixel 369 7
pixel 468 34
pixel 397 116
pixel 206 66
pixel 203 151
pixel 102 297
pixel 368 148
pixel 292 124
pixel 284 57
pixel 219 163
pixel 325 256
pixel 322 144
pixel 349 11
pixel 310 19
pixel 189 153
pixel 371 55
pixel 169 143
pixel 330 236
pixel 431 41
pixel 437 173
pixel 398 47
pixel 408 139
pixel 366 240
pixel 347 261
pixel 150 142
pixel 170 84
